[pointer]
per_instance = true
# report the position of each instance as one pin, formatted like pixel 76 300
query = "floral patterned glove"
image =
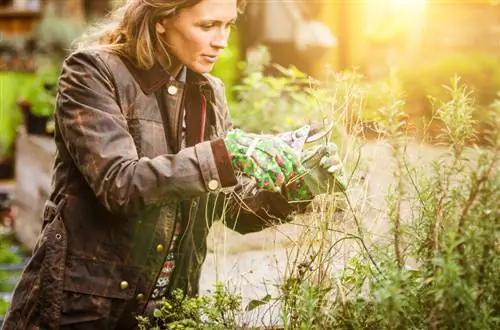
pixel 322 172
pixel 268 159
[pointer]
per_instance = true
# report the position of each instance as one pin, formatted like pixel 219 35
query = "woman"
pixel 142 169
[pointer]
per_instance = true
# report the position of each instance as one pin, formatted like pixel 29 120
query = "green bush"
pixel 226 67
pixel 6 257
pixel 12 86
pixel 480 71
pixel 41 91
pixel 216 312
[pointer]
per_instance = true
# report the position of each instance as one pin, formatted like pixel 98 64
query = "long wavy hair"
pixel 131 29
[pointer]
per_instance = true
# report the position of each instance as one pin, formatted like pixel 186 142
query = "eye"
pixel 207 26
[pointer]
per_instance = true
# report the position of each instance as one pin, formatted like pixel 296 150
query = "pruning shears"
pixel 304 135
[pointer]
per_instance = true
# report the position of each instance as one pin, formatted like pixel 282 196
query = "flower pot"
pixel 36 125
pixel 6 168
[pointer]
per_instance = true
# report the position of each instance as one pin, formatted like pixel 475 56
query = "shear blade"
pixel 319 134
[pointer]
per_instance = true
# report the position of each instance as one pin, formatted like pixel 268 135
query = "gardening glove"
pixel 321 172
pixel 268 159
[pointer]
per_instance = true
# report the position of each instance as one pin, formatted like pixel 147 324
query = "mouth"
pixel 210 58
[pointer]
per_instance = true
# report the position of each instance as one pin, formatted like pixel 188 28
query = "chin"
pixel 201 68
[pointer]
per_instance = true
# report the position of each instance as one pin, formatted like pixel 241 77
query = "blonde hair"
pixel 130 29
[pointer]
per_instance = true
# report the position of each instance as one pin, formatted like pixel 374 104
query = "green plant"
pixel 226 67
pixel 439 268
pixel 435 266
pixel 55 34
pixel 12 85
pixel 480 71
pixel 7 257
pixel 217 311
pixel 41 92
pixel 275 104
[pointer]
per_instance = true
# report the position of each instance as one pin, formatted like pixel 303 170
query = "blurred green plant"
pixel 40 92
pixel 12 85
pixel 55 34
pixel 273 104
pixel 53 38
pixel 480 71
pixel 7 257
pixel 226 67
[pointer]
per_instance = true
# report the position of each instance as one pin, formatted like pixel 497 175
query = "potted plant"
pixel 54 36
pixel 38 101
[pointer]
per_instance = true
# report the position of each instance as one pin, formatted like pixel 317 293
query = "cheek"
pixel 188 44
pixel 198 40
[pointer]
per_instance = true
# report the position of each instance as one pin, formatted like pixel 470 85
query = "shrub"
pixel 480 71
pixel 216 312
pixel 12 85
pixel 7 257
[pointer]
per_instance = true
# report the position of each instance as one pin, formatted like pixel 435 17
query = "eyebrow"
pixel 232 20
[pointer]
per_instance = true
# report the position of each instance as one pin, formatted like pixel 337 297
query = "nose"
pixel 221 38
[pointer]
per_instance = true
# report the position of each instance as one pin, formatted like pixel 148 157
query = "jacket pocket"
pixel 96 291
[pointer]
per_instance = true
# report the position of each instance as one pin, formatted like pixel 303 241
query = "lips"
pixel 210 58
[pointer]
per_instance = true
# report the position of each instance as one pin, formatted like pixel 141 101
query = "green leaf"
pixel 157 313
pixel 253 304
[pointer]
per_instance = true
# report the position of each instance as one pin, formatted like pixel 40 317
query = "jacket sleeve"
pixel 96 135
pixel 246 208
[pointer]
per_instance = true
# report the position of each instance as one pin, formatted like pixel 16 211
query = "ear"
pixel 160 27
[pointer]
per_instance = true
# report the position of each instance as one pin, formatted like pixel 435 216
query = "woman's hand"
pixel 322 172
pixel 268 159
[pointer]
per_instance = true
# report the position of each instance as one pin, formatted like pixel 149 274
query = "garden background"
pixel 413 89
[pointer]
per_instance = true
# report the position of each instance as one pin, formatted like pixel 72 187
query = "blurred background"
pixel 427 40
pixel 421 42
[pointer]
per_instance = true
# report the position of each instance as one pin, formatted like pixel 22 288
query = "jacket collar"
pixel 151 80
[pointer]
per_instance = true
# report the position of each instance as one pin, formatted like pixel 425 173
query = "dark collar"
pixel 151 80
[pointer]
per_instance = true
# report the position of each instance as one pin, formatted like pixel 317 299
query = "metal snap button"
pixel 172 90
pixel 124 285
pixel 213 184
pixel 140 296
pixel 160 248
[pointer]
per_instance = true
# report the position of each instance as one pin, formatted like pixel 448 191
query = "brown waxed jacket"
pixel 120 182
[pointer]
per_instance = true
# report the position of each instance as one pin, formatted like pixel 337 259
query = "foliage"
pixel 437 267
pixel 37 88
pixel 480 71
pixel 274 104
pixel 7 257
pixel 55 34
pixel 226 67
pixel 52 42
pixel 218 311
pixel 12 85
pixel 40 93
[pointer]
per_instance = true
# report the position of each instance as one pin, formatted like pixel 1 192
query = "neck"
pixel 175 66
pixel 175 69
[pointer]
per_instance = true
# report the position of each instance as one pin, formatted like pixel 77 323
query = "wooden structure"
pixel 33 169
pixel 20 18
pixel 15 22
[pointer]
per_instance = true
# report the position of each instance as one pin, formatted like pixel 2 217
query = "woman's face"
pixel 198 34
